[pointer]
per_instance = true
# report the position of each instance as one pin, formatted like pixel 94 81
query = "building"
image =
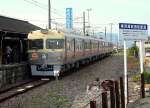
pixel 13 33
pixel 147 48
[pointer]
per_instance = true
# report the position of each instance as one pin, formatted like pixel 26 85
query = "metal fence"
pixel 114 97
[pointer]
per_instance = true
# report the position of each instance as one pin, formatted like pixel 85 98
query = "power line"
pixel 33 3
pixel 44 8
pixel 54 11
pixel 39 3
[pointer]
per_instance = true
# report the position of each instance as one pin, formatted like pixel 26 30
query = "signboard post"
pixel 135 32
pixel 125 72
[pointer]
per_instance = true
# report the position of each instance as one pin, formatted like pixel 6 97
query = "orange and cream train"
pixel 52 52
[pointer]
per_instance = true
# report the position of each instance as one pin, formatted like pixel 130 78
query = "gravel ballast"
pixel 69 92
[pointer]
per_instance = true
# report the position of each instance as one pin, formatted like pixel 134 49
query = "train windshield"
pixel 147 50
pixel 36 44
pixel 54 43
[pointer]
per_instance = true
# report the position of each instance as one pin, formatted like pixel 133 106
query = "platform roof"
pixel 13 25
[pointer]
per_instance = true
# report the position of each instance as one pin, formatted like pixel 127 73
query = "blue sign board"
pixel 131 31
pixel 69 18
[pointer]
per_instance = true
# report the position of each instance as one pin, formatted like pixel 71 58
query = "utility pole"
pixel 89 17
pixel 93 32
pixel 105 33
pixel 49 14
pixel 89 20
pixel 111 31
pixel 84 23
pixel 56 26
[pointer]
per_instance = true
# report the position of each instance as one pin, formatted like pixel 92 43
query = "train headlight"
pixel 44 56
pixel 56 72
pixel 34 56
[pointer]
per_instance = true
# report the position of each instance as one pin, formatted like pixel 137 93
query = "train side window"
pixel 89 45
pixel 72 45
pixel 54 43
pixel 77 45
pixel 68 45
pixel 85 45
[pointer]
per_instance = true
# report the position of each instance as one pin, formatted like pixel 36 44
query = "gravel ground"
pixel 142 103
pixel 70 92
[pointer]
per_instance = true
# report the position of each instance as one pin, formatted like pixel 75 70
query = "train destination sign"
pixel 131 31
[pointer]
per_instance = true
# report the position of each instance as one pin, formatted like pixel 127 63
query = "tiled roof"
pixel 15 25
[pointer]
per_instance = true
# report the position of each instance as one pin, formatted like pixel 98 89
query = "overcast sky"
pixel 102 12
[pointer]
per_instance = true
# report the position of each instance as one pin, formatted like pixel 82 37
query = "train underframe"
pixel 57 70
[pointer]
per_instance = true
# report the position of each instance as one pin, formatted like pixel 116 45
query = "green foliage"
pixel 56 99
pixel 147 77
pixel 133 51
pixel 136 78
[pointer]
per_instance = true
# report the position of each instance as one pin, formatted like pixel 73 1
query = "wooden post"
pixel 117 95
pixel 1 55
pixel 142 86
pixel 104 100
pixel 92 104
pixel 112 96
pixel 127 89
pixel 122 93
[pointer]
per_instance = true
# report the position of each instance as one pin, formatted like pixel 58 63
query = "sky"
pixel 103 12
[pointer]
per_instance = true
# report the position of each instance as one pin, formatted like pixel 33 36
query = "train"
pixel 52 52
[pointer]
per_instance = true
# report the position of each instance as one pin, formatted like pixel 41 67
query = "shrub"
pixel 133 51
pixel 147 77
pixel 136 78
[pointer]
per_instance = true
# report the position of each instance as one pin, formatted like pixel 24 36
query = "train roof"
pixel 42 33
pixel 81 36
pixel 57 33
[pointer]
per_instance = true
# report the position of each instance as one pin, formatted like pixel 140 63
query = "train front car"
pixel 46 52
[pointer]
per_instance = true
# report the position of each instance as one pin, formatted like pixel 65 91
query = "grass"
pixel 53 99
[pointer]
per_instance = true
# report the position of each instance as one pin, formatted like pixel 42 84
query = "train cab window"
pixel 54 43
pixel 35 44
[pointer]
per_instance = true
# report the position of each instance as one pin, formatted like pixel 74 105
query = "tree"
pixel 133 51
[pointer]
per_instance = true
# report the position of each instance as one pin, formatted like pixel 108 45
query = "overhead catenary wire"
pixel 55 12
pixel 45 7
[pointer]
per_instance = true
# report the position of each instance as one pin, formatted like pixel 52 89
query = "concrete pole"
pixel 49 14
pixel 105 33
pixel 89 20
pixel 141 57
pixel 84 23
pixel 125 73
pixel 142 70
pixel 111 31
pixel 89 17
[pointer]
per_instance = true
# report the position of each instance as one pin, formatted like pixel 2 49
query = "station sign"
pixel 131 31
pixel 69 18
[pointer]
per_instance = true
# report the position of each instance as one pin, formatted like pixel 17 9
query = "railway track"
pixel 20 89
